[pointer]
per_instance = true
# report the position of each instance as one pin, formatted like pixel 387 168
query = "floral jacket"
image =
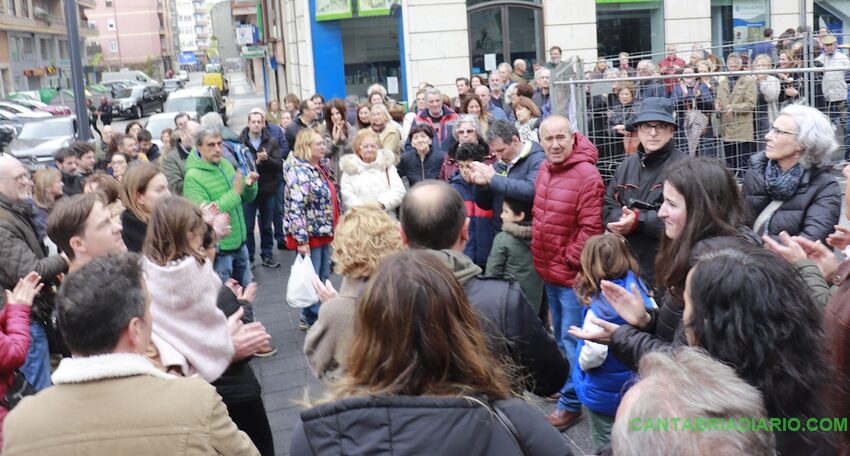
pixel 311 204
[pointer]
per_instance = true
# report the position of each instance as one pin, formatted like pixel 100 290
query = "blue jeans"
pixel 277 223
pixel 321 259
pixel 234 265
pixel 566 312
pixel 264 204
pixel 36 368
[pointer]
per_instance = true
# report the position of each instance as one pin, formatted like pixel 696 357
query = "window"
pixel 510 31
pixel 110 24
pixel 113 46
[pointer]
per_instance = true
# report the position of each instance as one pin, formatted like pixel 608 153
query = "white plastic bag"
pixel 299 289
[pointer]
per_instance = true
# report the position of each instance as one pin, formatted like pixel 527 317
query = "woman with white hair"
pixel 789 187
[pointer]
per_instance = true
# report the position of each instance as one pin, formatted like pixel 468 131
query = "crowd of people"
pixel 482 255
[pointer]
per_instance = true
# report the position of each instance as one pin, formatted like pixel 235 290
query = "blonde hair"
pixel 604 257
pixel 304 144
pixel 42 180
pixel 363 237
pixel 361 136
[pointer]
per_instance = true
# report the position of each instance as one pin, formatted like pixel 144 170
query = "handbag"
pixel 20 388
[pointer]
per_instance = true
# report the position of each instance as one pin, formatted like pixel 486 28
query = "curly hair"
pixel 363 237
pixel 752 310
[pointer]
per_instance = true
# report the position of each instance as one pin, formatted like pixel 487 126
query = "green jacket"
pixel 206 182
pixel 510 259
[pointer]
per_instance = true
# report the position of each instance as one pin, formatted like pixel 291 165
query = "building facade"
pixel 34 51
pixel 340 46
pixel 133 33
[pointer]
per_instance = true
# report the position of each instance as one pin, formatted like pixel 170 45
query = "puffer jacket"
pixel 23 252
pixel 14 345
pixel 567 212
pixel 416 168
pixel 363 182
pixel 640 177
pixel 511 326
pixel 207 182
pixel 516 181
pixel 310 205
pixel 480 230
pixel 270 170
pixel 812 212
pixel 442 130
pixel 601 388
pixel 411 425
pixel 628 343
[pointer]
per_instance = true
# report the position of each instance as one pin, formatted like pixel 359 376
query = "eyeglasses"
pixel 466 132
pixel 659 127
pixel 782 132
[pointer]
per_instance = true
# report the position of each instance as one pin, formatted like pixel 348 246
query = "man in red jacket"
pixel 567 211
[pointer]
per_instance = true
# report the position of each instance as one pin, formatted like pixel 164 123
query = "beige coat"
pixel 119 404
pixel 327 341
pixel 737 126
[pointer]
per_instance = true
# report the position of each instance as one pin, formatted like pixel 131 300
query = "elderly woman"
pixel 467 130
pixel 311 207
pixel 368 175
pixel 527 118
pixel 388 135
pixel 788 187
pixel 364 236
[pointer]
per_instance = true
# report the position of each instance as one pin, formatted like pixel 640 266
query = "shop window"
pixel 371 53
pixel 504 30
pixel 636 28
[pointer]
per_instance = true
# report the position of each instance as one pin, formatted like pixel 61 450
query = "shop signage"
pixel 328 10
pixel 375 7
pixel 253 52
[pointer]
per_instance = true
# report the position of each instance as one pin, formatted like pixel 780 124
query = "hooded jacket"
pixel 567 212
pixel 377 181
pixel 812 212
pixel 510 324
pixel 423 425
pixel 207 182
pixel 640 177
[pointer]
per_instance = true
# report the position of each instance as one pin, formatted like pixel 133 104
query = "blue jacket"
pixel 415 169
pixel 516 181
pixel 601 389
pixel 481 232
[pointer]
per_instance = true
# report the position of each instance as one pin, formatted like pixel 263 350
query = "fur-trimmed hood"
pixel 353 164
pixel 517 230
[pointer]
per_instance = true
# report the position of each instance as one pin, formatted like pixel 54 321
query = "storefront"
pixel 357 43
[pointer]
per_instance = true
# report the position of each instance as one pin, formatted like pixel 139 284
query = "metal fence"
pixel 593 107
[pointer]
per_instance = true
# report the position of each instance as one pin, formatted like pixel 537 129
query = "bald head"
pixel 433 216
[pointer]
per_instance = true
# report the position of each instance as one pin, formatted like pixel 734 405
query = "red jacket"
pixel 567 211
pixel 14 345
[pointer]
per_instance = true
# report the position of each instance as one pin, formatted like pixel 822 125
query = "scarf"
pixel 781 185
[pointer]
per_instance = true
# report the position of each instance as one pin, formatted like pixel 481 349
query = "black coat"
pixel 407 425
pixel 628 343
pixel 641 177
pixel 271 170
pixel 415 169
pixel 133 231
pixel 812 212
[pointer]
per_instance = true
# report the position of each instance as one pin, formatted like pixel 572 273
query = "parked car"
pixel 172 85
pixel 36 105
pixel 197 102
pixel 22 111
pixel 183 75
pixel 11 119
pixel 134 102
pixel 38 140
